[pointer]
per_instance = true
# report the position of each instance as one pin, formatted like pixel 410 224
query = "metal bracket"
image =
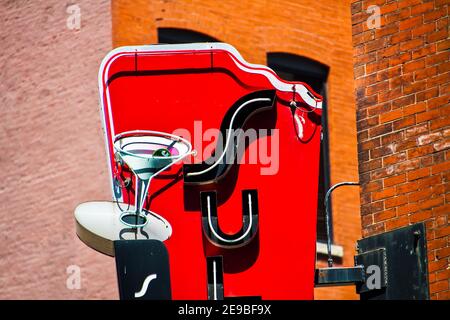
pixel 328 277
pixel 389 266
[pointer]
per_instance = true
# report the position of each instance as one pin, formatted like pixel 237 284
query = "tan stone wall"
pixel 52 151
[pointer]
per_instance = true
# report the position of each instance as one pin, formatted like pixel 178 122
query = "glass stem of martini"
pixel 142 186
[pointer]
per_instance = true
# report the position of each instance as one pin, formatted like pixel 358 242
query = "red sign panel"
pixel 242 211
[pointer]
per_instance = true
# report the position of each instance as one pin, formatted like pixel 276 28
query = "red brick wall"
pixel 403 112
pixel 52 150
pixel 316 29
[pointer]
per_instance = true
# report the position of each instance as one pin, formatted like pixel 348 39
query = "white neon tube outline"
pixel 300 124
pixel 245 233
pixel 214 280
pixel 227 143
pixel 145 285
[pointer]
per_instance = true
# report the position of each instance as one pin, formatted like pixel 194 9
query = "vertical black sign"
pixel 142 270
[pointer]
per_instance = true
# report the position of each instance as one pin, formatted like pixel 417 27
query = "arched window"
pixel 296 68
pixel 175 35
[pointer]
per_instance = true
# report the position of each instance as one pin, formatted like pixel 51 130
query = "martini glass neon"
pixel 147 154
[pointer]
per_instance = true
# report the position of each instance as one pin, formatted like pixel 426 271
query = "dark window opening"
pixel 175 36
pixel 296 68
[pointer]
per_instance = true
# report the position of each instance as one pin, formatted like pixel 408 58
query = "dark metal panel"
pixel 142 270
pixel 405 258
